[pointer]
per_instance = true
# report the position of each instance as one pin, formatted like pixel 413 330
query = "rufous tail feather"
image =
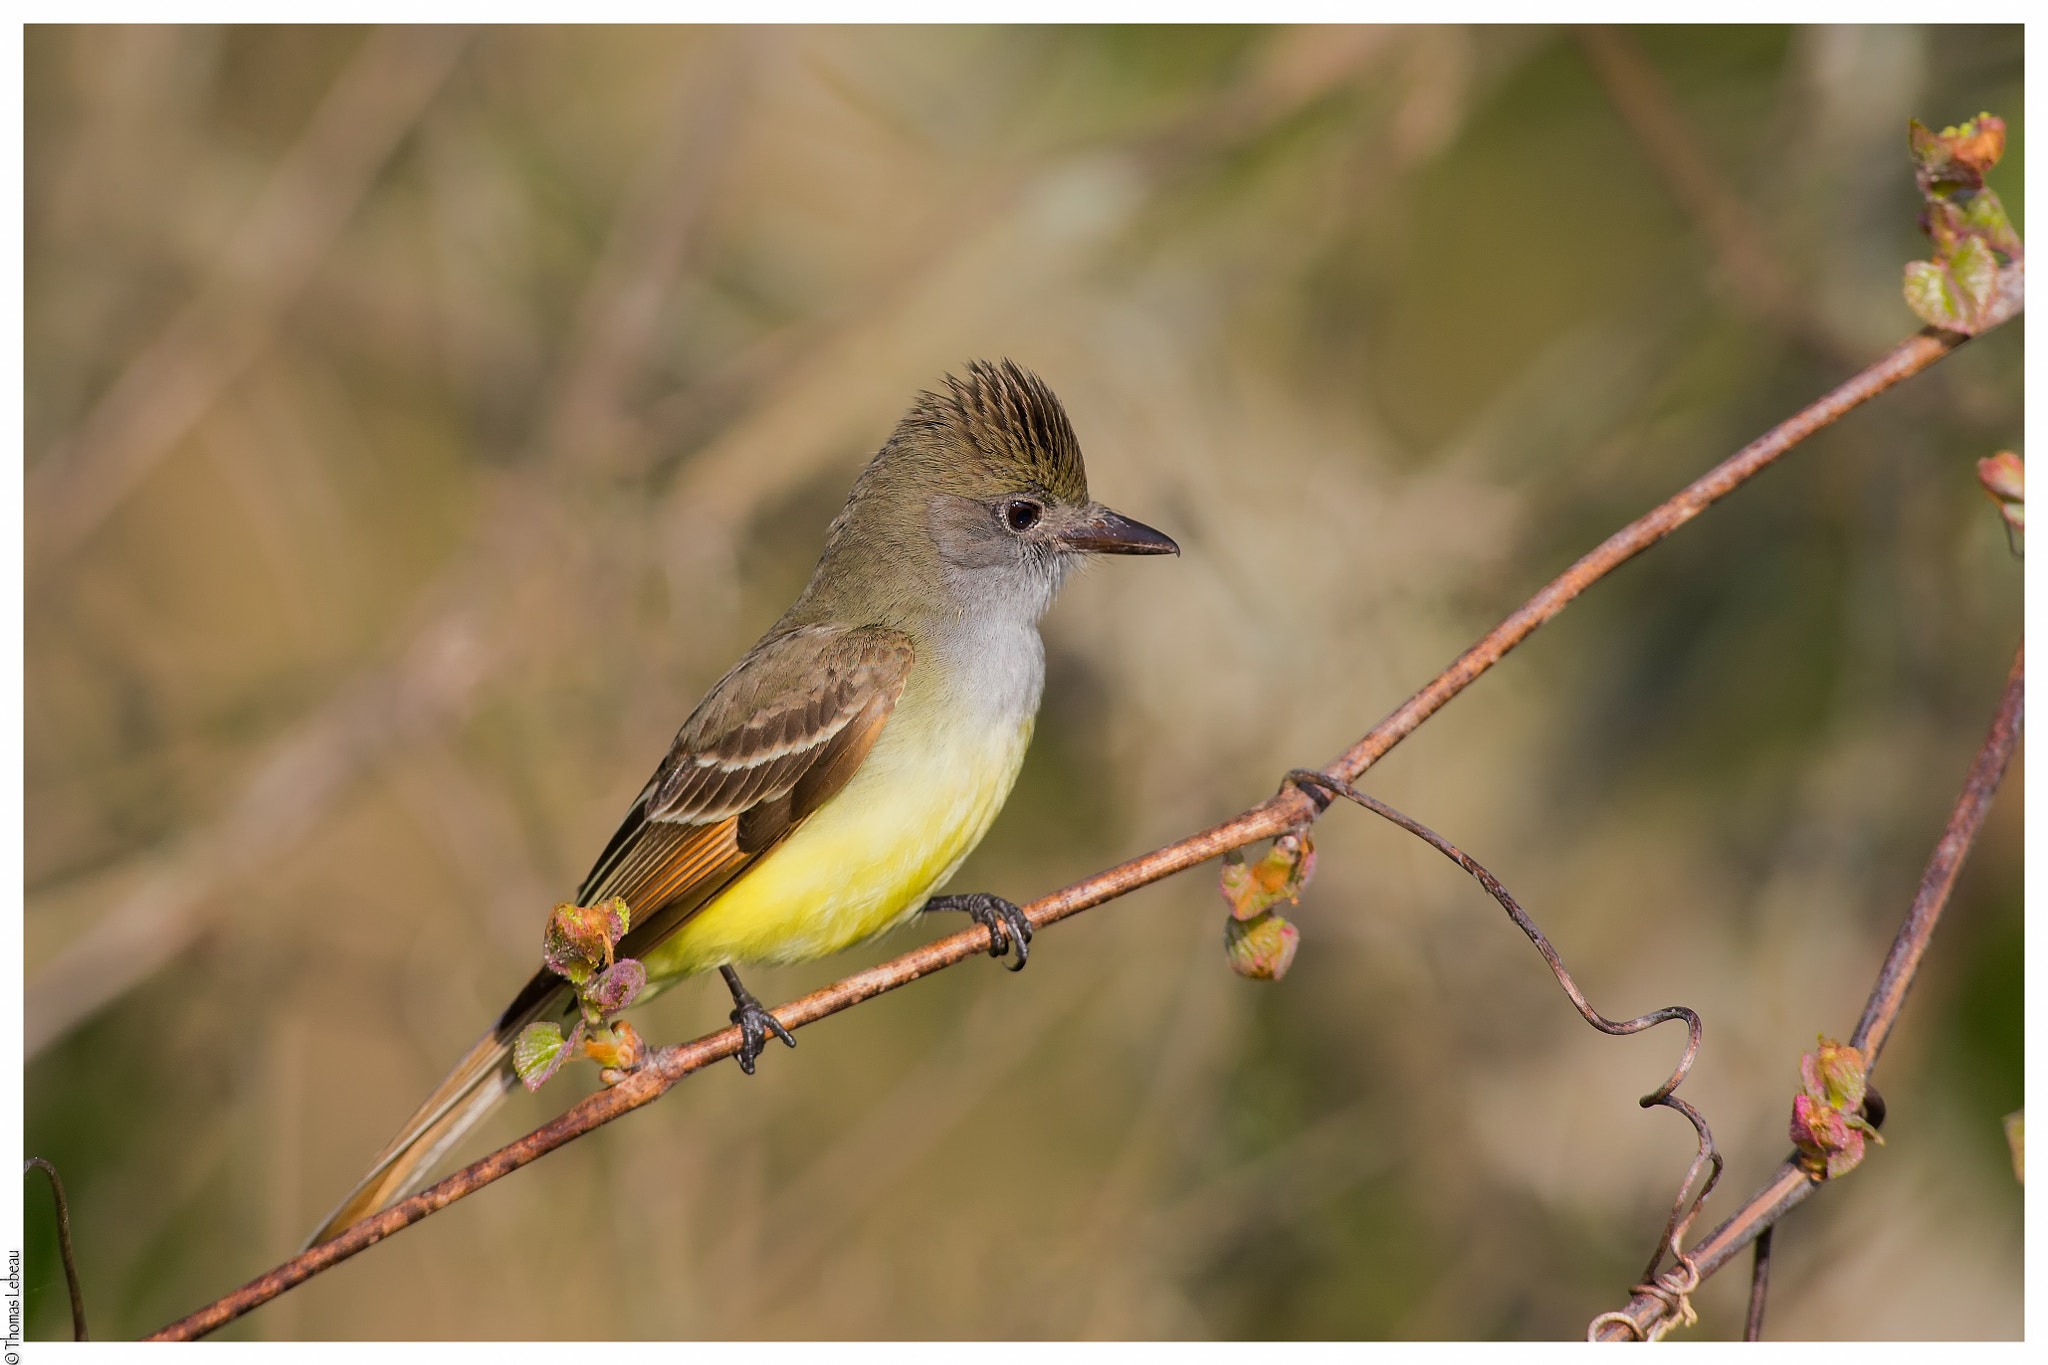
pixel 472 1090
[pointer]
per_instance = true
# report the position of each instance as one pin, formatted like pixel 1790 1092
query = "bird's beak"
pixel 1106 533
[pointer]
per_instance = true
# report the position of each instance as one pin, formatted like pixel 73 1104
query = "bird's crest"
pixel 1009 417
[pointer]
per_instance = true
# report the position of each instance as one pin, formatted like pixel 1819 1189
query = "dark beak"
pixel 1106 533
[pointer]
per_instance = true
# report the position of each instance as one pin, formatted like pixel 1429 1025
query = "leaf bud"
pixel 1262 948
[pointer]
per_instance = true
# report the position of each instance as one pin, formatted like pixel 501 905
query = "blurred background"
pixel 418 421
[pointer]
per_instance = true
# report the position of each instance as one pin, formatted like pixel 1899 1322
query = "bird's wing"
pixel 775 739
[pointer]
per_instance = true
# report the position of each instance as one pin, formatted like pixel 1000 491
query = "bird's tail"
pixel 473 1089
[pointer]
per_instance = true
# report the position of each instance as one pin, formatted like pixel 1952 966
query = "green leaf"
pixel 540 1050
pixel 1932 294
pixel 1975 272
pixel 1984 217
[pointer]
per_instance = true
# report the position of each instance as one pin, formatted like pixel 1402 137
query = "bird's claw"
pixel 755 1022
pixel 1006 924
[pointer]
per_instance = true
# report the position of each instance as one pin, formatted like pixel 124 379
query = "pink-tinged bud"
pixel 1959 155
pixel 1815 1127
pixel 580 939
pixel 1262 948
pixel 1834 1075
pixel 1251 888
pixel 1300 849
pixel 617 1049
pixel 2004 477
pixel 1827 1142
pixel 1235 882
pixel 614 988
pixel 1826 1128
pixel 1978 144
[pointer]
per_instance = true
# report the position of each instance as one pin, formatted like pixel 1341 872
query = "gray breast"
pixel 997 668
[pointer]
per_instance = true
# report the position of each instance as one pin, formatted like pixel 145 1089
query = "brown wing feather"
pixel 842 757
pixel 745 770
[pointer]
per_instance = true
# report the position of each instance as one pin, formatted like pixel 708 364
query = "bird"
pixel 830 784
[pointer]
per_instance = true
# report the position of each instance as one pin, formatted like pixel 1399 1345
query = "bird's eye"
pixel 1021 514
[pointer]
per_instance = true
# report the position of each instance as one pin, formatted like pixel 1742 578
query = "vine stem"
pixel 1288 809
pixel 1682 1213
pixel 78 1332
pixel 1792 1184
pixel 1759 1287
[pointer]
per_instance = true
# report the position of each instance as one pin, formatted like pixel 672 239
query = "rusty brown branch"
pixel 1902 362
pixel 1791 1185
pixel 1289 808
pixel 1895 978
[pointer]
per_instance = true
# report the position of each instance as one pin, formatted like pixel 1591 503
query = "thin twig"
pixel 1895 978
pixel 1792 1184
pixel 1283 811
pixel 1759 1286
pixel 1682 1214
pixel 1902 362
pixel 78 1332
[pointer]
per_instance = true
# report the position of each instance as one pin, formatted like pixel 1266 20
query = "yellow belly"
pixel 865 861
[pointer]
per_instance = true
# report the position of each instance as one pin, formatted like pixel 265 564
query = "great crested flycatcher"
pixel 837 775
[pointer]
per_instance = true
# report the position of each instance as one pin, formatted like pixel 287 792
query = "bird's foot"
pixel 755 1022
pixel 1005 923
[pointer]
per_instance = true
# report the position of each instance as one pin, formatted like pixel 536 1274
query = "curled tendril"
pixel 1672 1287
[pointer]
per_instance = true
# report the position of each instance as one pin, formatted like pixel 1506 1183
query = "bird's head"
pixel 1005 476
pixel 981 495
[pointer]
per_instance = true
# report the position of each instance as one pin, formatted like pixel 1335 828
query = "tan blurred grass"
pixel 338 692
